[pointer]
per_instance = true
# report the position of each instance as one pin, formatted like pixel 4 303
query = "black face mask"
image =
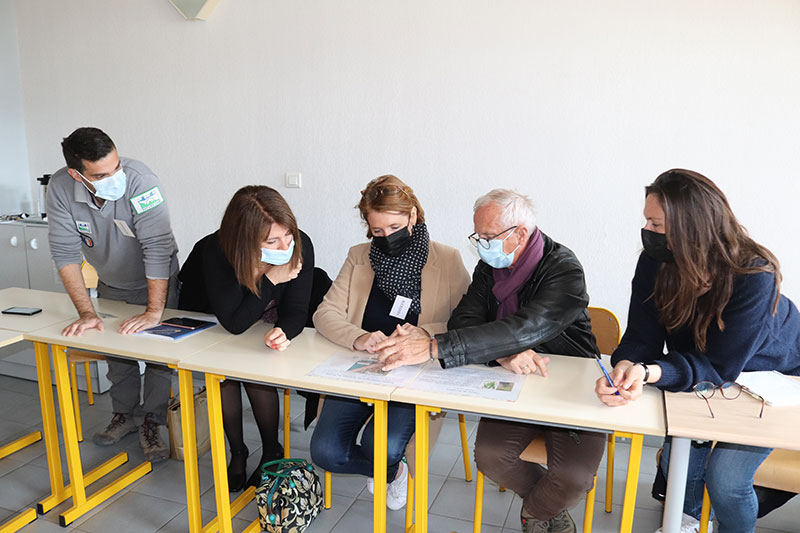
pixel 655 245
pixel 394 244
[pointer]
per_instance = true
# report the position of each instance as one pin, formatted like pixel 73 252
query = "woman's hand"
pixel 282 273
pixel 525 362
pixel 276 339
pixel 368 341
pixel 628 380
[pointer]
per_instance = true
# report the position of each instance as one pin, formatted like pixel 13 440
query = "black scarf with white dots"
pixel 402 275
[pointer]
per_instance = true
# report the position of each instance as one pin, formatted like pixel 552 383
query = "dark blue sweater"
pixel 753 339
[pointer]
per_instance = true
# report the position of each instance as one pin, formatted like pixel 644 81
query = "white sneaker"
pixel 371 485
pixel 396 491
pixel 690 524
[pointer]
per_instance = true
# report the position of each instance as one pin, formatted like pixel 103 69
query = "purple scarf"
pixel 508 281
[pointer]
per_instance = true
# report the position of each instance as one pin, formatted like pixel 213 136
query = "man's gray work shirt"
pixel 127 241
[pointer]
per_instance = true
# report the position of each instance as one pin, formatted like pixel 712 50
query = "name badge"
pixel 124 228
pixel 400 307
pixel 83 227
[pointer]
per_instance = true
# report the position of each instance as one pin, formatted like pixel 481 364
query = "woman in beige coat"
pixel 400 283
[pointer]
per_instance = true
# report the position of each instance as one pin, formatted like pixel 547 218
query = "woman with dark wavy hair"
pixel 712 294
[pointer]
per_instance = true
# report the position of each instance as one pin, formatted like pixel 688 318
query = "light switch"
pixel 293 180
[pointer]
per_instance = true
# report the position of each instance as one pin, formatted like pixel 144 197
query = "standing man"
pixel 111 211
pixel 527 296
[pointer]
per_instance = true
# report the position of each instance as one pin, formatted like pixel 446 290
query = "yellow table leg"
pixel 705 512
pixel 20 443
pixel 476 519
pixel 50 428
pixel 588 514
pixel 462 426
pixel 87 373
pixel 18 522
pixel 631 483
pixel 68 426
pixel 410 503
pixel 287 422
pixel 73 377
pixel 422 437
pixel 379 463
pixel 218 452
pixel 89 478
pixel 610 471
pixel 190 451
pixel 327 497
pixel 236 506
pixel 81 504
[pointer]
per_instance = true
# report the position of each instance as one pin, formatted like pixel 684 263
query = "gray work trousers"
pixel 572 460
pixel 124 374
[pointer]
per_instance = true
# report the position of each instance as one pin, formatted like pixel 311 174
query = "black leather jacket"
pixel 552 316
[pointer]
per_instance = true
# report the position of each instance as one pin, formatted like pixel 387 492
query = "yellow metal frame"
pixel 379 421
pixel 20 443
pixel 462 427
pixel 79 481
pixel 632 480
pixel 227 509
pixel 18 522
pixel 287 422
pixel 422 436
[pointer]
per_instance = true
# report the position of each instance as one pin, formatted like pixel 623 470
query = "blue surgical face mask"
pixel 111 188
pixel 494 256
pixel 277 257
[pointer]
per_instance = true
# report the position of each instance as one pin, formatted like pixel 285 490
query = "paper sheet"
pixel 363 368
pixel 471 380
pixel 776 388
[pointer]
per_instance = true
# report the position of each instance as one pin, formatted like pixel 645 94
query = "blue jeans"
pixel 727 471
pixel 333 444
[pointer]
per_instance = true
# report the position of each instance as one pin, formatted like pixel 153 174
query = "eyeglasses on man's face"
pixel 477 240
pixel 730 390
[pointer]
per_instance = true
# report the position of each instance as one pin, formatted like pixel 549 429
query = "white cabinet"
pixel 25 253
pixel 26 263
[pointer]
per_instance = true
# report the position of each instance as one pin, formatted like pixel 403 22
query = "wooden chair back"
pixel 605 326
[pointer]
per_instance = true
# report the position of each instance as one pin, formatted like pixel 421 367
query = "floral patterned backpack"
pixel 289 497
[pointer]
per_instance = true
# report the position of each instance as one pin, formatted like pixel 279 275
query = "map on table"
pixel 362 368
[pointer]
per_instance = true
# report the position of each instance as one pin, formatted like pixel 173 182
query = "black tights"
pixel 265 405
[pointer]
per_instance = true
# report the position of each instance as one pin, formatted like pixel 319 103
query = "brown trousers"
pixel 572 460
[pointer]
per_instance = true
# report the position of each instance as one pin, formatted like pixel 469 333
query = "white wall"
pixel 578 104
pixel 15 191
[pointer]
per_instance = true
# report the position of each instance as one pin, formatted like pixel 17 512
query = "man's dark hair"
pixel 90 144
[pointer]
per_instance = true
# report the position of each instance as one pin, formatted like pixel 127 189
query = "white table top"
pixel 9 337
pixel 566 397
pixel 245 357
pixel 56 307
pixel 735 421
pixel 109 341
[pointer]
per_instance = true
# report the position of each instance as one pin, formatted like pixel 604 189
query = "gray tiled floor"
pixel 157 502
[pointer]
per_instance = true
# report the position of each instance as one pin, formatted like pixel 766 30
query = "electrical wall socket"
pixel 293 180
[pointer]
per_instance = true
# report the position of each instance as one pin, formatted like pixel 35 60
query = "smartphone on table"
pixel 25 311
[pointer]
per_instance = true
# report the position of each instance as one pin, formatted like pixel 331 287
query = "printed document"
pixel 363 368
pixel 471 380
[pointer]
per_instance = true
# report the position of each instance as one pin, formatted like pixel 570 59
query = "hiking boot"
pixel 119 426
pixel 562 523
pixel 150 440
pixel 532 525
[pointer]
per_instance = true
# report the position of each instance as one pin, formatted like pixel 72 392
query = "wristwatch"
pixel 646 371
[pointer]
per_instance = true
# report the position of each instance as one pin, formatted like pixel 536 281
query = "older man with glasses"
pixel 527 296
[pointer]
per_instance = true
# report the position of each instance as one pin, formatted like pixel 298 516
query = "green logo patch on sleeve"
pixel 147 201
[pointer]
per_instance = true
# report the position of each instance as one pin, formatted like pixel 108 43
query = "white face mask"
pixel 110 188
pixel 277 257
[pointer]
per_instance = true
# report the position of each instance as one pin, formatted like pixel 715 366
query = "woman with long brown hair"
pixel 401 282
pixel 258 265
pixel 712 294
